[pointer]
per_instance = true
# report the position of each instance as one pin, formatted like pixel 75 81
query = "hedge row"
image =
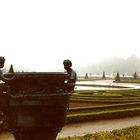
pixel 105 101
pixel 101 107
pixel 129 133
pixel 81 117
pixel 102 98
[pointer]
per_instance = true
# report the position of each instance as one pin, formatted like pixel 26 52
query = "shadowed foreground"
pixel 81 129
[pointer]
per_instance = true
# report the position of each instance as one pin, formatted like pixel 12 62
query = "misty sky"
pixel 40 34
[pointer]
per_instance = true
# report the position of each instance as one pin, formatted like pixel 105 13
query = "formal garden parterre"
pixel 103 104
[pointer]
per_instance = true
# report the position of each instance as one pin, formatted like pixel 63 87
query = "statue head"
pixel 67 64
pixel 2 61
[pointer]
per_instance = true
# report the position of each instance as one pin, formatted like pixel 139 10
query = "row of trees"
pixel 115 64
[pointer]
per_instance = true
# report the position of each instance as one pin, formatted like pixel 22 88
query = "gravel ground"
pixel 80 129
pixel 6 136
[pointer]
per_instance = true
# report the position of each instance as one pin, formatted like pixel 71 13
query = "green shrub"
pixel 130 133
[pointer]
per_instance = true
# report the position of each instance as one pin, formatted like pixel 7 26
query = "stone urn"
pixel 35 104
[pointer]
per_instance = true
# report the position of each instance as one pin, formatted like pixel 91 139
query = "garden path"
pixel 99 85
pixel 80 129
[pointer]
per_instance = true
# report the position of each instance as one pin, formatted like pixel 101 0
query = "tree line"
pixel 116 64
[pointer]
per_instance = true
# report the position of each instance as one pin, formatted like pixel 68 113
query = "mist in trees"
pixel 115 64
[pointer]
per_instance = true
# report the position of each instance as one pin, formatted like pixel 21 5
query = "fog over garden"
pixel 115 64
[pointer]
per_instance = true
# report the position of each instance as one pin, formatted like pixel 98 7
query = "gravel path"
pixel 6 136
pixel 100 125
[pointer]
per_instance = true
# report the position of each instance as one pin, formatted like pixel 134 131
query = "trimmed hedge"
pixel 129 133
pixel 105 100
pixel 103 107
pixel 81 117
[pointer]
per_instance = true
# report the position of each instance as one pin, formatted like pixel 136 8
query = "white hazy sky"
pixel 40 34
